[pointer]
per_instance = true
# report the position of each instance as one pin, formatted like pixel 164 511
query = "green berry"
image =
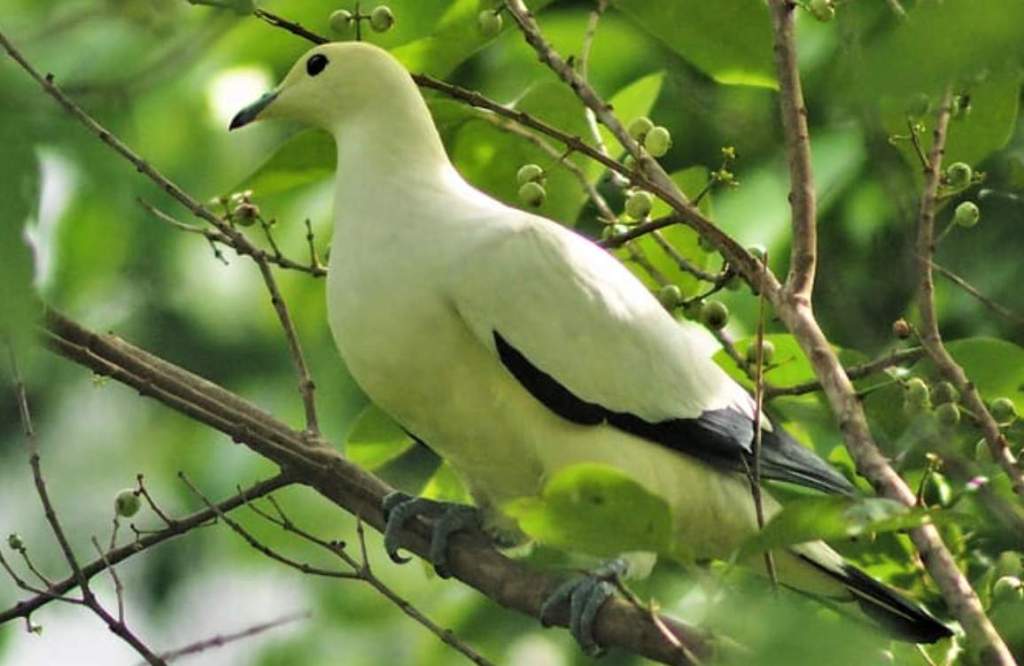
pixel 767 352
pixel 959 175
pixel 714 315
pixel 759 252
pixel 532 194
pixel 639 127
pixel 15 542
pixel 948 415
pixel 382 18
pixel 670 296
pixel 340 21
pixel 822 10
pixel 1009 564
pixel 967 214
pixel 945 392
pixel 245 214
pixel 127 503
pixel 1003 410
pixel 917 391
pixel 901 329
pixel 658 141
pixel 613 230
pixel 529 173
pixel 638 205
pixel 693 309
pixel 1006 589
pixel 489 22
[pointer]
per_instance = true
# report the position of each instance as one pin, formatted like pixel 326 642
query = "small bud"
pixel 948 415
pixel 639 127
pixel 728 153
pixel 959 175
pixel 767 352
pixel 967 214
pixel 127 503
pixel 658 141
pixel 945 392
pixel 822 10
pixel 1009 564
pixel 901 329
pixel 489 22
pixel 714 315
pixel 340 21
pixel 670 296
pixel 638 205
pixel 15 542
pixel 1004 411
pixel 382 19
pixel 532 194
pixel 529 173
pixel 245 214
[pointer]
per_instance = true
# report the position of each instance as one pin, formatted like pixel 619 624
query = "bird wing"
pixel 590 342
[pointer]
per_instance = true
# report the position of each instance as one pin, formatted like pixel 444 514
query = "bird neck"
pixel 390 149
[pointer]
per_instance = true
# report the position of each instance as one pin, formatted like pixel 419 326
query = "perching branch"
pixel 931 338
pixel 473 559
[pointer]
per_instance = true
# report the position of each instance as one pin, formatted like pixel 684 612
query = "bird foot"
pixel 447 517
pixel 585 596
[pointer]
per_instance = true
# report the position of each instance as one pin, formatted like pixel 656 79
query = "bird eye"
pixel 316 64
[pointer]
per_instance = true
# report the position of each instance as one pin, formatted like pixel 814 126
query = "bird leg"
pixel 585 595
pixel 447 518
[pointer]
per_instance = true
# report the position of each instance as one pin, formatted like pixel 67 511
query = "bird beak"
pixel 252 112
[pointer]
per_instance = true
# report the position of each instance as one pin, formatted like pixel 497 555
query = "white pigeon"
pixel 515 348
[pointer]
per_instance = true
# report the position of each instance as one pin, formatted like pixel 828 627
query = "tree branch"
pixel 473 560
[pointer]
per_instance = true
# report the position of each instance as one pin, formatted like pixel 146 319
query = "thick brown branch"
pixel 473 559
pixel 803 256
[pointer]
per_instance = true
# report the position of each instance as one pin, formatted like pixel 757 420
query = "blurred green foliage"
pixel 162 74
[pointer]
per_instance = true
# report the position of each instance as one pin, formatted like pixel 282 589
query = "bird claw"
pixel 448 518
pixel 585 596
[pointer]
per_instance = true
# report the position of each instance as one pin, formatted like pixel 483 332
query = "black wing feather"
pixel 723 437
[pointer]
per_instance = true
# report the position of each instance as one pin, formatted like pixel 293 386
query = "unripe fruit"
pixel 658 141
pixel 1006 589
pixel 759 252
pixel 714 315
pixel 967 214
pixel 767 352
pixel 959 175
pixel 613 230
pixel 127 503
pixel 822 9
pixel 15 542
pixel 245 214
pixel 692 310
pixel 917 391
pixel 340 21
pixel 945 392
pixel 670 296
pixel 948 415
pixel 1003 410
pixel 532 194
pixel 382 19
pixel 901 329
pixel 638 205
pixel 529 173
pixel 1009 564
pixel 936 491
pixel 489 23
pixel 639 127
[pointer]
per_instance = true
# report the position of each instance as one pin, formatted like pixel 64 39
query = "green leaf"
pixel 596 509
pixel 826 518
pixel 306 157
pixel 730 40
pixel 375 439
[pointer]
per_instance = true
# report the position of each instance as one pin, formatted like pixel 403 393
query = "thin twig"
pixel 964 603
pixel 893 358
pixel 223 639
pixel 999 309
pixel 755 480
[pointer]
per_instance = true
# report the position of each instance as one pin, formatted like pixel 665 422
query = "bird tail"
pixel 884 606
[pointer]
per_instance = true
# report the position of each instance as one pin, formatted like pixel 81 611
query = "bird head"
pixel 330 84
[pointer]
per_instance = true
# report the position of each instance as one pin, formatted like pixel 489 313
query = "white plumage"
pixel 515 347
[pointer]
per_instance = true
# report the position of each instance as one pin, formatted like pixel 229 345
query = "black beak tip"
pixel 238 121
